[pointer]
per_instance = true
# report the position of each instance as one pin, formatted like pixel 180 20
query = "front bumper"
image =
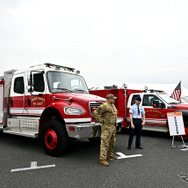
pixel 84 130
pixel 1 127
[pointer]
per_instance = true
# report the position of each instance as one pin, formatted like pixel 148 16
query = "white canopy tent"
pixel 168 88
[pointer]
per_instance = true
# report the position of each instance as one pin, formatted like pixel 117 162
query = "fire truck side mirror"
pixel 30 82
pixel 163 105
pixel 157 104
pixel 30 79
pixel 31 89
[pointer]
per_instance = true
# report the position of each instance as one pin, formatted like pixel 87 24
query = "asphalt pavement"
pixel 157 165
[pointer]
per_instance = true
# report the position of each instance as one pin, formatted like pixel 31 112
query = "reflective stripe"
pixel 35 111
pixel 156 121
pixel 16 110
pixel 75 120
pixel 152 121
pixel 38 112
pixel 28 111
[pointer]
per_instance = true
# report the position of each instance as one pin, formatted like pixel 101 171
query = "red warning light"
pixel 71 128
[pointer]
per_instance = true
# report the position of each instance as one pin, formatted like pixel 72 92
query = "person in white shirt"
pixel 137 116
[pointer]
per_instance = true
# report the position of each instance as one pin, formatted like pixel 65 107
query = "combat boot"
pixel 104 163
pixel 113 157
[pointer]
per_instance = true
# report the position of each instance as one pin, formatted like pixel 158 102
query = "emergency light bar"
pixel 59 66
pixel 154 90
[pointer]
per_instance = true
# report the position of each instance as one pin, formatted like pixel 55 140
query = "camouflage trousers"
pixel 108 136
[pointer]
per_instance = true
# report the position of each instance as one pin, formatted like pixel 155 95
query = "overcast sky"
pixel 110 42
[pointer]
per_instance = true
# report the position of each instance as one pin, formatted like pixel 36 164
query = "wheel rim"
pixel 186 132
pixel 50 138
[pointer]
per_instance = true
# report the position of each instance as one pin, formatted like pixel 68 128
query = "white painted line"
pixel 32 167
pixel 123 156
pixel 183 177
pixel 186 149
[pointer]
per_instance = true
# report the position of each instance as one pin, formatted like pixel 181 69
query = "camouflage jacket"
pixel 108 112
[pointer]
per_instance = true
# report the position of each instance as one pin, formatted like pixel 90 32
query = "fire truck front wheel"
pixel 54 138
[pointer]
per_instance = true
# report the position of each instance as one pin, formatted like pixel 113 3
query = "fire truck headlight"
pixel 73 111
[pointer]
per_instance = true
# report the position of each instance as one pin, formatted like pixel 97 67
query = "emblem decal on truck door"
pixel 38 101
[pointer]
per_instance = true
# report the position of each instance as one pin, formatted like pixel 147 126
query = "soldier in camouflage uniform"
pixel 106 114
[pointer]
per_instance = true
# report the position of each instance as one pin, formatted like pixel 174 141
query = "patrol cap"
pixel 138 98
pixel 111 96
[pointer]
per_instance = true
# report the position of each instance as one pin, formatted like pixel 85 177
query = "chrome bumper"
pixel 1 127
pixel 84 130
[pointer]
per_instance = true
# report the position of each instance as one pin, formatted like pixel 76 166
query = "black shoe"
pixel 129 148
pixel 140 147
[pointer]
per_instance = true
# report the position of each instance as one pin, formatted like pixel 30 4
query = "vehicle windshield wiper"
pixel 83 91
pixel 65 89
pixel 174 103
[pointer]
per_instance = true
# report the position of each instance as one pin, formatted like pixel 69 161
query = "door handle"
pixel 29 102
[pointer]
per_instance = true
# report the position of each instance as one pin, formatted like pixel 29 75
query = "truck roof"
pixel 49 66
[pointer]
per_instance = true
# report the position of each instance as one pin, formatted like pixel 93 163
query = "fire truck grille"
pixel 93 106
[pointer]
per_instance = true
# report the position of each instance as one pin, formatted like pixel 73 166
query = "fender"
pixel 184 112
pixel 49 114
pixel 56 111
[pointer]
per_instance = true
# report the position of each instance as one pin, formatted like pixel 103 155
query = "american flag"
pixel 177 92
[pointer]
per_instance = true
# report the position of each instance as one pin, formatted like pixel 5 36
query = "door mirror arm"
pixel 31 82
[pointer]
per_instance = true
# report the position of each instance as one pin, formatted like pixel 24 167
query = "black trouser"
pixel 138 130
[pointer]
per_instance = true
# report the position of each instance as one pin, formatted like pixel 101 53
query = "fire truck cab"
pixel 48 101
pixel 157 104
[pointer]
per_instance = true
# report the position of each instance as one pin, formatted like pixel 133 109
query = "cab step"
pixel 30 134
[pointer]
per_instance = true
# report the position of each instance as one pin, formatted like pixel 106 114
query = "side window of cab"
pixel 149 99
pixel 133 99
pixel 19 85
pixel 38 82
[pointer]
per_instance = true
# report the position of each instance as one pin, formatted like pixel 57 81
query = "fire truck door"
pixel 17 96
pixel 154 116
pixel 35 100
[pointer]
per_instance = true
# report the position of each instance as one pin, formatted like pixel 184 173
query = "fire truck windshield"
pixel 59 82
pixel 168 98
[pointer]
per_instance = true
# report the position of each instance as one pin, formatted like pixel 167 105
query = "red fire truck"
pixel 156 104
pixel 48 101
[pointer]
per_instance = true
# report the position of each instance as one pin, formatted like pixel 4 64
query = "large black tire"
pixel 54 138
pixel 96 140
pixel 168 131
pixel 185 137
pixel 185 118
